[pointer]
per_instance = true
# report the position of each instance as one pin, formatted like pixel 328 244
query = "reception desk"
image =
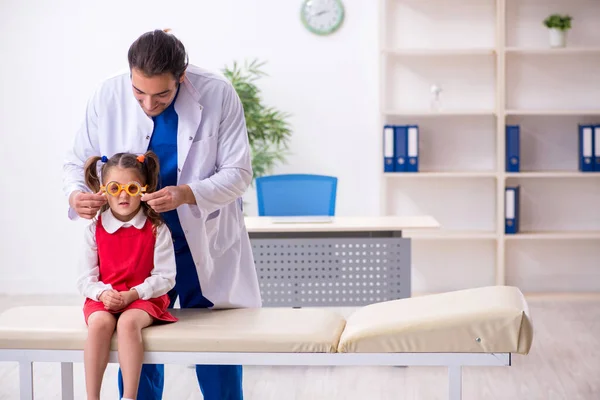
pixel 335 261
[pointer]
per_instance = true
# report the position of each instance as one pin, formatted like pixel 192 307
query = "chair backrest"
pixel 296 195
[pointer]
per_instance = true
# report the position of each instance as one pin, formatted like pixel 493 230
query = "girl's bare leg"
pixel 131 348
pixel 101 326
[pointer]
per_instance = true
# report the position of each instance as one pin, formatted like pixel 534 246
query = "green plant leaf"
pixel 558 21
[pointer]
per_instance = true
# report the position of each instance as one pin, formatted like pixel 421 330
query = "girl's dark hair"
pixel 148 171
pixel 158 52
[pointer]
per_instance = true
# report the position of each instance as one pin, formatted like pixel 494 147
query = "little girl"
pixel 129 266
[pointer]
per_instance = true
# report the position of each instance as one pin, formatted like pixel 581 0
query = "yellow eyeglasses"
pixel 132 188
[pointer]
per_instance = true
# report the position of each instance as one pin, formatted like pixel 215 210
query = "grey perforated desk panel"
pixel 350 261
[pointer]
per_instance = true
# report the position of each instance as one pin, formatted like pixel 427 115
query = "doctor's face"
pixel 154 93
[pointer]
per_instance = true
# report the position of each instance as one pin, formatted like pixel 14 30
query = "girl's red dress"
pixel 125 259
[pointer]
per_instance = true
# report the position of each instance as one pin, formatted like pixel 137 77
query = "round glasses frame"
pixel 133 188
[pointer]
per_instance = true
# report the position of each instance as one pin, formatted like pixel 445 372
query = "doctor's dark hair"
pixel 158 52
pixel 147 170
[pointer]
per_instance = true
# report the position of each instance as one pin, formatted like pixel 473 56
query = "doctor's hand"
pixel 169 198
pixel 86 205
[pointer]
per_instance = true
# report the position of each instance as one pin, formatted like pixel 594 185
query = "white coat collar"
pixel 110 223
pixel 192 91
pixel 189 111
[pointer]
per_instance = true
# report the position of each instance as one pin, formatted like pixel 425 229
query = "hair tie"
pixel 141 158
pixel 104 159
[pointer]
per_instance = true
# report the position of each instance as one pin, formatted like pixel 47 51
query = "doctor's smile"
pixel 154 94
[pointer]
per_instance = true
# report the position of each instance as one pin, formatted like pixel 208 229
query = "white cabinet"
pixel 494 65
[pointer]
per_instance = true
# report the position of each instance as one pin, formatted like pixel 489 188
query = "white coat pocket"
pixel 223 229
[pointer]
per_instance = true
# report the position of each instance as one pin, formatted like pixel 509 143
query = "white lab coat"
pixel 213 159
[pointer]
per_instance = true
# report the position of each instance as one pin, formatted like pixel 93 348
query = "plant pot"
pixel 558 37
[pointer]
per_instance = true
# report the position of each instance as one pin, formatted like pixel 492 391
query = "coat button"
pixel 178 169
pixel 147 137
pixel 191 138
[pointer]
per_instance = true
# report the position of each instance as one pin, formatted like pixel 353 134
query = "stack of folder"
pixel 401 148
pixel 588 148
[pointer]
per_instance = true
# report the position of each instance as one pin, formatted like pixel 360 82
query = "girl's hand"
pixel 112 300
pixel 129 296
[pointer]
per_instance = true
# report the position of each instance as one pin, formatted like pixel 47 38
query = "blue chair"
pixel 296 195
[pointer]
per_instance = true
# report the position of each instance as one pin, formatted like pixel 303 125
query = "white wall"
pixel 54 54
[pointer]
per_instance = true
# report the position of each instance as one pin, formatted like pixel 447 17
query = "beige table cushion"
pixel 491 319
pixel 240 330
pixel 488 319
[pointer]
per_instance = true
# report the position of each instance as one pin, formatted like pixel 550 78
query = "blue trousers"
pixel 217 382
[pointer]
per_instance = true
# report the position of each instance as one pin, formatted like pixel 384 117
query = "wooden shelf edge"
pixel 554 235
pixel 428 174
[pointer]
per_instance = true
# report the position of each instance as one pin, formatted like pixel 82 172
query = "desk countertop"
pixel 341 224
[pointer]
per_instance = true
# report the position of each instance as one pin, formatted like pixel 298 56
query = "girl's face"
pixel 123 206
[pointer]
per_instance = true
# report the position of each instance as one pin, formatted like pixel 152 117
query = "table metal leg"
pixel 455 381
pixel 66 376
pixel 26 380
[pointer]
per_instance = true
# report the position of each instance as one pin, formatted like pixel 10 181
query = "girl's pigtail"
pixel 152 170
pixel 90 171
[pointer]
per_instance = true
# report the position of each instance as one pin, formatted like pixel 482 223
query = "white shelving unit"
pixel 494 64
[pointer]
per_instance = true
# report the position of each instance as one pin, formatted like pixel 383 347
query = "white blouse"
pixel 162 277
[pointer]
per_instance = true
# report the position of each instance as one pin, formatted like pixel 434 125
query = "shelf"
pixel 554 235
pixel 450 235
pixel 553 174
pixel 443 113
pixel 450 174
pixel 495 68
pixel 440 52
pixel 553 51
pixel 553 112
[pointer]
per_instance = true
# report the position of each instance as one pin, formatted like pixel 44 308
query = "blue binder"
pixel 513 159
pixel 586 148
pixel 596 143
pixel 511 210
pixel 388 148
pixel 412 148
pixel 400 147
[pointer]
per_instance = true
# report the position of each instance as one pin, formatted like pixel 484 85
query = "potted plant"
pixel 268 129
pixel 558 26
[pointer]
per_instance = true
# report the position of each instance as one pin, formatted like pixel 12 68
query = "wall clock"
pixel 322 17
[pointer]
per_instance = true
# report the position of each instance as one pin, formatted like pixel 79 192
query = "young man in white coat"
pixel 194 121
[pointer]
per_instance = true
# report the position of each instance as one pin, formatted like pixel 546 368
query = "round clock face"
pixel 322 17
